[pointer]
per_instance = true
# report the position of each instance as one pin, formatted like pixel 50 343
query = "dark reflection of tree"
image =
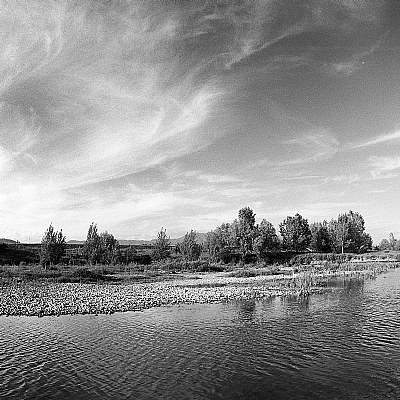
pixel 300 302
pixel 246 310
pixel 304 303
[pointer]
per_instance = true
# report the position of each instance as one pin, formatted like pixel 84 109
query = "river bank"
pixel 45 299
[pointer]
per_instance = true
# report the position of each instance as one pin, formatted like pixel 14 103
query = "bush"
pixel 309 258
pixel 244 273
pixel 143 259
pixel 86 274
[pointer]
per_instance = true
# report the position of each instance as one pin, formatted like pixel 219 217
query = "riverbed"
pixel 341 344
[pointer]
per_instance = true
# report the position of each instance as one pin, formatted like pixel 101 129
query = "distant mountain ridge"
pixel 200 238
pixel 8 241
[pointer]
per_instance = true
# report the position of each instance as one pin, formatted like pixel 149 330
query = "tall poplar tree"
pixel 52 247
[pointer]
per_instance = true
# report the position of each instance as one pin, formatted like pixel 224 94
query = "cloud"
pixel 343 178
pixel 384 167
pixel 302 177
pixel 316 211
pixel 379 140
pixel 211 178
pixel 302 148
pixel 104 85
pixel 94 94
pixel 5 161
pixel 258 25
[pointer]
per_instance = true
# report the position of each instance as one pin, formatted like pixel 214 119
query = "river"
pixel 344 344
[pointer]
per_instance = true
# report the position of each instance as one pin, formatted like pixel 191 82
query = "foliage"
pixel 246 230
pixel 162 246
pixel 295 232
pixel 320 237
pixel 52 247
pixel 92 246
pixel 108 248
pixel 189 248
pixel 384 245
pixel 100 248
pixel 393 242
pixel 221 242
pixel 347 233
pixel 12 254
pixel 390 244
pixel 266 239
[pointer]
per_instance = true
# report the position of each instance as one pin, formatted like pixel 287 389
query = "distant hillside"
pixel 201 237
pixel 126 242
pixel 8 241
pixel 75 242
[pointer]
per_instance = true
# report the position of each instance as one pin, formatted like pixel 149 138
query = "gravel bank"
pixel 41 299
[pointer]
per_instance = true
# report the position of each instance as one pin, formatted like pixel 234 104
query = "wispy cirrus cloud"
pixel 211 178
pixel 303 148
pixel 100 100
pixel 104 85
pixel 352 178
pixel 385 167
pixel 262 24
pixel 394 136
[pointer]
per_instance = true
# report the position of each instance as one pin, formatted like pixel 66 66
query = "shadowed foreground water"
pixel 340 345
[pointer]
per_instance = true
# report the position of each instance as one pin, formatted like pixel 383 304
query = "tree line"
pixel 346 234
pixel 390 244
pixel 240 240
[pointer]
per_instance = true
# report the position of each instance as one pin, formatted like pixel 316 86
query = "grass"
pixel 174 269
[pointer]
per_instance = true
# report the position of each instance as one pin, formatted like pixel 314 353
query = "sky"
pixel 138 115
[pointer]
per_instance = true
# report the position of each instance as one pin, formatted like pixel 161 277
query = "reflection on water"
pixel 339 345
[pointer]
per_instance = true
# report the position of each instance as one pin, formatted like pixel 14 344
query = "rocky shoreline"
pixel 55 299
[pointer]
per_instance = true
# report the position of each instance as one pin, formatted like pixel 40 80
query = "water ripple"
pixel 340 345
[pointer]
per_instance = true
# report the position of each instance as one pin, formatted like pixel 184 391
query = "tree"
pixel 223 240
pixel 92 246
pixel 384 245
pixel 347 233
pixel 320 237
pixel 336 234
pixel 108 248
pixel 295 232
pixel 366 242
pixel 246 230
pixel 266 239
pixel 189 248
pixel 100 248
pixel 52 247
pixel 392 242
pixel 211 246
pixel 162 245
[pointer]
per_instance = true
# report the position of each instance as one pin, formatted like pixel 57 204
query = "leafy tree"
pixel 392 242
pixel 100 248
pixel 52 247
pixel 246 230
pixel 389 244
pixel 266 239
pixel 336 233
pixel 130 254
pixel 92 247
pixel 189 248
pixel 384 245
pixel 210 247
pixel 108 248
pixel 347 233
pixel 222 240
pixel 162 245
pixel 320 237
pixel 295 232
pixel 366 242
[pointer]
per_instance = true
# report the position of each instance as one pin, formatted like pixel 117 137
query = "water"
pixel 340 345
